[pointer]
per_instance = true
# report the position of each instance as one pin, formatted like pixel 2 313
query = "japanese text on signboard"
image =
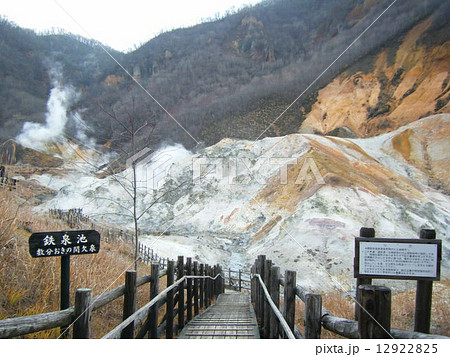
pixel 398 258
pixel 51 244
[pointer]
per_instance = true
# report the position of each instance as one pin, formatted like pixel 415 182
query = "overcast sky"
pixel 118 24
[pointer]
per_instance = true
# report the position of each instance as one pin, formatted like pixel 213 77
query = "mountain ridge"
pixel 213 76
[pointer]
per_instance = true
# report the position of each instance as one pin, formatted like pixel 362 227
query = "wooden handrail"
pixel 277 312
pixel 140 314
pixel 344 327
pixel 109 296
pixel 14 327
pixel 301 292
pixel 247 272
pixel 349 328
pixel 19 326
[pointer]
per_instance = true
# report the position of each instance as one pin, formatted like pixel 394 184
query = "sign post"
pixel 406 259
pixel 64 244
pixel 65 282
pixel 65 290
pixel 424 291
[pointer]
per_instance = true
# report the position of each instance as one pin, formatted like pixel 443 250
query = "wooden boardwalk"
pixel 232 316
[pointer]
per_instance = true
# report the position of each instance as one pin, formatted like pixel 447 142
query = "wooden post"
pixel 169 303
pixel 206 285
pixel 219 280
pixel 313 315
pixel 257 288
pixel 424 293
pixel 375 312
pixel 83 308
pixel 289 298
pixel 65 290
pixel 253 284
pixel 202 286
pixel 274 290
pixel 240 280
pixel 210 285
pixel 267 308
pixel 189 290
pixel 153 312
pixel 260 298
pixel 222 280
pixel 129 302
pixel 180 274
pixel 195 294
pixel 365 233
pixel 216 281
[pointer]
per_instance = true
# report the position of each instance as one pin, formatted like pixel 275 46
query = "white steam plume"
pixel 36 135
pixel 153 169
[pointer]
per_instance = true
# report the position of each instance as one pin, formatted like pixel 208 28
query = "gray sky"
pixel 118 24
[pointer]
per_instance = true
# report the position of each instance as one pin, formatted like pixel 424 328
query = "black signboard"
pixel 64 243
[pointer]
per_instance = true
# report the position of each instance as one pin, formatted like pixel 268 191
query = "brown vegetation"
pixel 30 286
pixel 402 314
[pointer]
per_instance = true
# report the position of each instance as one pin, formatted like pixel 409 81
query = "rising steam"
pixel 36 135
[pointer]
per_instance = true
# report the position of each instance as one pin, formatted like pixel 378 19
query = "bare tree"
pixel 131 123
pixel 137 127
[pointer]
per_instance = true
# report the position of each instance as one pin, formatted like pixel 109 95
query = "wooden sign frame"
pixel 393 242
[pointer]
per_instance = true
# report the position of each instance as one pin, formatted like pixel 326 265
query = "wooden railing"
pixel 148 310
pixel 75 218
pixel 266 282
pixel 276 318
pixel 200 282
pixel 194 289
pixel 149 256
pixel 237 279
pixel 5 181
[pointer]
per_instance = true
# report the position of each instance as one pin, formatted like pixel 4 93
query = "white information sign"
pixel 398 259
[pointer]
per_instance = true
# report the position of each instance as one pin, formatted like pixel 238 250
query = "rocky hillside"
pixel 405 81
pixel 299 198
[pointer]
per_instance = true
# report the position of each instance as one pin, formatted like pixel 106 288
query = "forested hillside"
pixel 31 63
pixel 226 78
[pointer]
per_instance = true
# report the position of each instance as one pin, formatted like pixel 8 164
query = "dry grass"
pixel 402 314
pixel 31 286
